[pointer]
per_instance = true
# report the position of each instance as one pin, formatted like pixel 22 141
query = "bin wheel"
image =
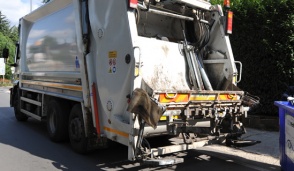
pixel 16 105
pixel 76 129
pixel 57 121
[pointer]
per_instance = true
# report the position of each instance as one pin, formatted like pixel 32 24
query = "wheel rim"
pixel 75 129
pixel 52 122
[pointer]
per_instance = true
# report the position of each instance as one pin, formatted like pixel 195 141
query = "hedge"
pixel 263 40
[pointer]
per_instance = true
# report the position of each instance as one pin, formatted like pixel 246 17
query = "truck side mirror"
pixel 5 53
pixel 17 51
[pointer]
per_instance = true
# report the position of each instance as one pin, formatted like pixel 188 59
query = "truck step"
pixel 31 114
pixel 163 162
pixel 31 101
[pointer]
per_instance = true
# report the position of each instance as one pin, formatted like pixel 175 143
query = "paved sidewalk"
pixel 269 142
pixel 265 152
pixel 5 89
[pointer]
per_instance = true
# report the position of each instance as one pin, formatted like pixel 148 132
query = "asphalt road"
pixel 25 146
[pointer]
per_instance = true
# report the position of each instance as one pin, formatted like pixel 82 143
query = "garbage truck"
pixel 124 70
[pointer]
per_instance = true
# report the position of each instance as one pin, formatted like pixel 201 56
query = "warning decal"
pixel 112 55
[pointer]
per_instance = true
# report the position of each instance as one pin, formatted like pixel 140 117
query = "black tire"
pixel 57 120
pixel 16 105
pixel 77 137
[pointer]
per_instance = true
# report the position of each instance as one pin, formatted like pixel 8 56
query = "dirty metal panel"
pixel 163 66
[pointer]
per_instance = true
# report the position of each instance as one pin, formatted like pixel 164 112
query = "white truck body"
pixel 95 53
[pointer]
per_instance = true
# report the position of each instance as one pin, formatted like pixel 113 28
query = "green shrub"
pixel 263 40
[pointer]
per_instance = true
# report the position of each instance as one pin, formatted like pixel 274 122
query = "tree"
pixel 4 24
pixel 13 33
pixel 263 40
pixel 8 37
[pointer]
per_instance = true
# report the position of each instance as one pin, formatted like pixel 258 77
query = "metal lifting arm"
pixel 193 65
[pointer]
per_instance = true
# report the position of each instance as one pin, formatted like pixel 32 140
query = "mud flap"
pixel 147 108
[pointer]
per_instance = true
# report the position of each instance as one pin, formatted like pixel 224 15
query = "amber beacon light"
pixel 227 4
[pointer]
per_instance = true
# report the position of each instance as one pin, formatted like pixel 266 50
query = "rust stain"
pixel 165 50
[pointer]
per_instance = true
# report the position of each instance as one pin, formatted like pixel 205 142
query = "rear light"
pixel 133 3
pixel 227 4
pixel 229 26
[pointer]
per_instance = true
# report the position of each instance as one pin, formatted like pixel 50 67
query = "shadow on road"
pixel 30 139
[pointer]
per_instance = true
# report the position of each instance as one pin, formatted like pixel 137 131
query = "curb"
pixel 262 122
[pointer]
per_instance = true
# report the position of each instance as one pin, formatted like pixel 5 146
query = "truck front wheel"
pixel 78 140
pixel 16 105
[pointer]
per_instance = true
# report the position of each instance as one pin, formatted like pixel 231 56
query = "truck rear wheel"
pixel 78 139
pixel 16 105
pixel 57 121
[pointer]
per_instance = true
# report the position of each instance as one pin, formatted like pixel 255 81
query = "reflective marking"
pixel 163 118
pixel 97 121
pixel 172 97
pixel 123 134
pixel 214 97
pixel 185 97
pixel 54 85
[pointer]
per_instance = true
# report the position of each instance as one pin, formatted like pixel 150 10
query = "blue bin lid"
pixel 285 105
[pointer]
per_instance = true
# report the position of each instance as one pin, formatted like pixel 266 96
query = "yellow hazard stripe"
pixel 54 85
pixel 202 97
pixel 123 134
pixel 163 118
pixel 177 98
pixel 214 97
pixel 184 97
